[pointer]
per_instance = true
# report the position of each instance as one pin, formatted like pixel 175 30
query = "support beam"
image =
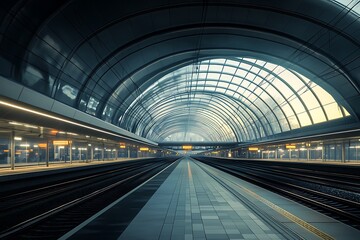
pixel 12 150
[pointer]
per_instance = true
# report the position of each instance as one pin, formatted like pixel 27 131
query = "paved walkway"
pixel 192 205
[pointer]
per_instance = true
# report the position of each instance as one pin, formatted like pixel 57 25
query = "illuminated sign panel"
pixel 187 147
pixel 144 149
pixel 253 148
pixel 42 145
pixel 290 146
pixel 61 143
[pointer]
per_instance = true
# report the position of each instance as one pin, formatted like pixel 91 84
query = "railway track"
pixel 326 192
pixel 49 211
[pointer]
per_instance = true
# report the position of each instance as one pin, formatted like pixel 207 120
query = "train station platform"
pixel 197 201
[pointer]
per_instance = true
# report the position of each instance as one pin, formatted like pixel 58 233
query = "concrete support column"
pixel 12 150
pixel 308 154
pixel 289 154
pixel 128 153
pixel 70 152
pixel 80 154
pixel 276 154
pixel 91 153
pixel 103 152
pixel 47 154
pixel 116 153
pixel 343 152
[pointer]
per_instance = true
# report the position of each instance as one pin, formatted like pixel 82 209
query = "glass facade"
pixel 244 99
pixel 34 145
pixel 330 150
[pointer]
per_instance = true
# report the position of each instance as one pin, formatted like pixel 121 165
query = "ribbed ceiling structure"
pixel 244 99
pixel 212 70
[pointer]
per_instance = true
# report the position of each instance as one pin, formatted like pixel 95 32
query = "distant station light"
pixel 253 149
pixel 42 145
pixel 61 143
pixel 187 147
pixel 143 149
pixel 290 146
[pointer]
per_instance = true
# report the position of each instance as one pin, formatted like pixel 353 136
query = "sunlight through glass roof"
pixel 349 5
pixel 235 99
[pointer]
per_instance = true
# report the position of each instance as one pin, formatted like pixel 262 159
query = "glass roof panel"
pixel 240 101
pixel 353 5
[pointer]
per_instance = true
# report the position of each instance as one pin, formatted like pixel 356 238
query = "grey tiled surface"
pixel 192 205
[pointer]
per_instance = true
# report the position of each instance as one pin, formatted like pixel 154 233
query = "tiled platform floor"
pixel 191 204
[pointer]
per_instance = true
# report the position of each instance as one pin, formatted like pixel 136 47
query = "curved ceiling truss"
pixel 245 98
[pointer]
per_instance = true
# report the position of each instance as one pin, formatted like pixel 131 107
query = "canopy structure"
pixel 243 99
pixel 215 70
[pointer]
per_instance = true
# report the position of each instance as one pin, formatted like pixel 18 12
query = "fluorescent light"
pixel 89 144
pixel 35 146
pixel 30 126
pixel 87 136
pixel 15 123
pixel 62 132
pixel 72 133
pixel 24 145
pixel 65 120
pixel 17 138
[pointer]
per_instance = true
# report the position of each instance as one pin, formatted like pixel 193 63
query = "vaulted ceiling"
pixel 190 70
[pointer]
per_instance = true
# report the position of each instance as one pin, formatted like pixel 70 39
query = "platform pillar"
pixel 12 150
pixel 128 153
pixel 308 154
pixel 91 153
pixel 70 152
pixel 343 152
pixel 289 154
pixel 47 153
pixel 103 152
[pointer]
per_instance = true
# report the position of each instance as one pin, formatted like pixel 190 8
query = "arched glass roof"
pixel 349 5
pixel 234 99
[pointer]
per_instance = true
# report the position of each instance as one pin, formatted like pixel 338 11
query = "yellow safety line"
pixel 288 215
pixel 189 170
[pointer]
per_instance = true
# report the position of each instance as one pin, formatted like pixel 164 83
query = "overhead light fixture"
pixel 63 120
pixel 17 138
pixel 15 123
pixel 74 134
pixel 30 126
